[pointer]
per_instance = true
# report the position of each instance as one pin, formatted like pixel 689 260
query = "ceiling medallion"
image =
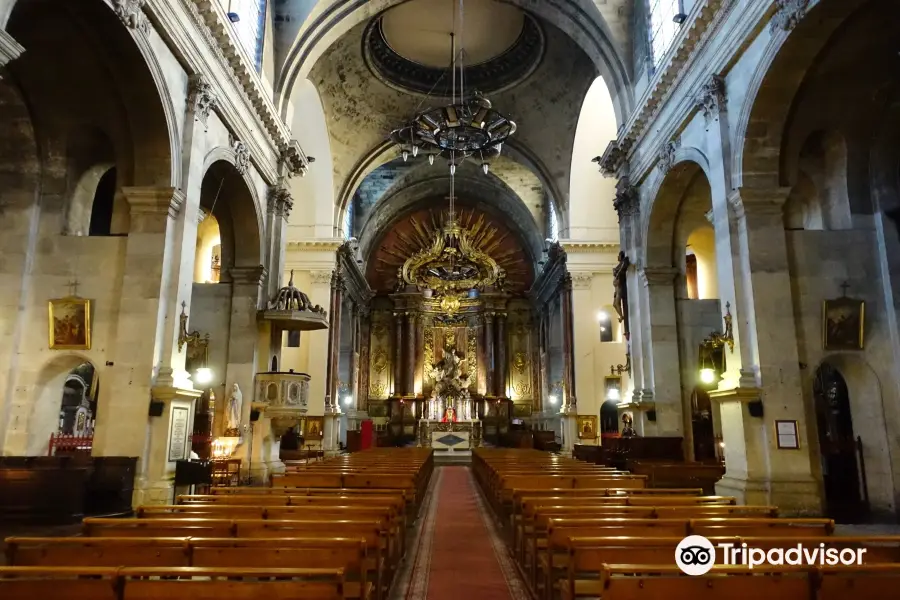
pixel 452 268
pixel 467 127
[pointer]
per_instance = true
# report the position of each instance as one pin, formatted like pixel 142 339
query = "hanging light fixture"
pixel 467 127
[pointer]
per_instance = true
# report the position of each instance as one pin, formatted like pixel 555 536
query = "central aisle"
pixel 459 552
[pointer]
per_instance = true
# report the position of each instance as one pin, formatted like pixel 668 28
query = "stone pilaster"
pixel 570 401
pixel 334 343
pixel 500 383
pixel 398 354
pixel 354 356
pixel 410 383
pixel 757 470
pixel 122 420
pixel 664 368
pixel 489 362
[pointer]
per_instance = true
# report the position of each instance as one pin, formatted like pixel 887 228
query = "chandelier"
pixel 468 127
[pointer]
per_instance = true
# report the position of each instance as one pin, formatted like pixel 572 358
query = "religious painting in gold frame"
pixel 843 324
pixel 313 429
pixel 70 324
pixel 587 427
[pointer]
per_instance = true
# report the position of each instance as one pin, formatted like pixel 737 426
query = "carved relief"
pixel 428 345
pixel 131 12
pixel 379 367
pixel 788 14
pixel 320 277
pixel 201 98
pixel 241 156
pixel 667 156
pixel 472 357
pixel 520 367
pixel 711 98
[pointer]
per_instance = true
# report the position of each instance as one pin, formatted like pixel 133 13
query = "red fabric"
pixel 366 435
pixel 463 563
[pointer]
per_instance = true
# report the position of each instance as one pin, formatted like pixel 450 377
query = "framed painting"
pixel 843 323
pixel 587 427
pixel 70 324
pixel 315 428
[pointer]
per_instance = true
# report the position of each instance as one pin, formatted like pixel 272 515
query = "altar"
pixel 449 436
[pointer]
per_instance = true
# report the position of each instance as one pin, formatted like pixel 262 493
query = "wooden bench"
pixel 183 583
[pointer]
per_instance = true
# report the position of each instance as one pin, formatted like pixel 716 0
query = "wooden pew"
pixel 346 553
pixel 183 583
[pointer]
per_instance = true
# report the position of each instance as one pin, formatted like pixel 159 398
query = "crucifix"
pixel 844 287
pixel 73 288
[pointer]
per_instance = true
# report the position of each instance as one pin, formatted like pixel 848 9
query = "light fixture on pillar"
pixel 197 350
pixel 617 369
pixel 554 400
pixel 712 351
pixel 348 400
pixel 613 394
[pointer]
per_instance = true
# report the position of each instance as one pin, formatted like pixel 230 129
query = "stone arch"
pixel 490 195
pixel 664 202
pixel 779 75
pixel 48 392
pixel 868 413
pixel 231 198
pixel 123 93
pixel 579 19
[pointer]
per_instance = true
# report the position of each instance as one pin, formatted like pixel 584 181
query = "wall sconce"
pixel 554 400
pixel 197 348
pixel 718 340
pixel 617 369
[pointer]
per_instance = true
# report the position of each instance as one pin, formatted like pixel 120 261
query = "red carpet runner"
pixel 460 555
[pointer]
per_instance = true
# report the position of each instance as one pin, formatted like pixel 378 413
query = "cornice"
pixel 690 38
pixel 589 247
pixel 720 50
pixel 236 84
pixel 317 245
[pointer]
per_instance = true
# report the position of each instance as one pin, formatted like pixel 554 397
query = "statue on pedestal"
pixel 451 387
pixel 233 414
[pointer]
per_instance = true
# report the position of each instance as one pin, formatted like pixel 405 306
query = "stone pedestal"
pixel 169 441
pixel 569 429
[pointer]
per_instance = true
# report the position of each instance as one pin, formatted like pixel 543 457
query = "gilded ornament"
pixel 377 389
pixel 519 362
pixel 379 361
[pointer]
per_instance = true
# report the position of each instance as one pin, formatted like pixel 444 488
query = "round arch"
pixel 231 198
pixel 775 82
pixel 579 19
pixel 47 397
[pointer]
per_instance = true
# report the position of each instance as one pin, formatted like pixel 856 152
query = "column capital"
pixel 759 201
pixel 582 280
pixel 10 49
pixel 131 12
pixel 148 200
pixel 248 275
pixel 280 201
pixel 657 276
pixel 320 277
pixel 712 96
pixel 201 98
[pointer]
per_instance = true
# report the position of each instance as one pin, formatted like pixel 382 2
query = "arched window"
pixel 103 205
pixel 249 20
pixel 666 17
pixel 553 232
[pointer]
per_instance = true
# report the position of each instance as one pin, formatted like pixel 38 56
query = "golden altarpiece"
pixel 453 340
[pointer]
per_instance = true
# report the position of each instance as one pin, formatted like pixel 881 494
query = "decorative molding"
pixel 613 158
pixel 712 97
pixel 154 200
pixel 657 276
pixel 582 280
pixel 705 18
pixel 294 159
pixel 320 277
pixel 788 14
pixel 131 12
pixel 280 201
pixel 217 32
pixel 248 275
pixel 318 245
pixel 201 98
pixel 580 247
pixel 241 156
pixel 10 49
pixel 627 201
pixel 667 156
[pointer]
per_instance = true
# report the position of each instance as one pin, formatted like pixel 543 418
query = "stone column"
pixel 362 386
pixel 334 342
pixel 123 427
pixel 568 325
pixel 627 204
pixel 664 367
pixel 354 356
pixel 398 354
pixel 500 383
pixel 243 357
pixel 757 470
pixel 280 205
pixel 410 386
pixel 490 364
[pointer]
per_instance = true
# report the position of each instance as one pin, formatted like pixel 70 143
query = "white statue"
pixel 233 418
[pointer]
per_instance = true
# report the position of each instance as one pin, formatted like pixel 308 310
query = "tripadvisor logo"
pixel 696 555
